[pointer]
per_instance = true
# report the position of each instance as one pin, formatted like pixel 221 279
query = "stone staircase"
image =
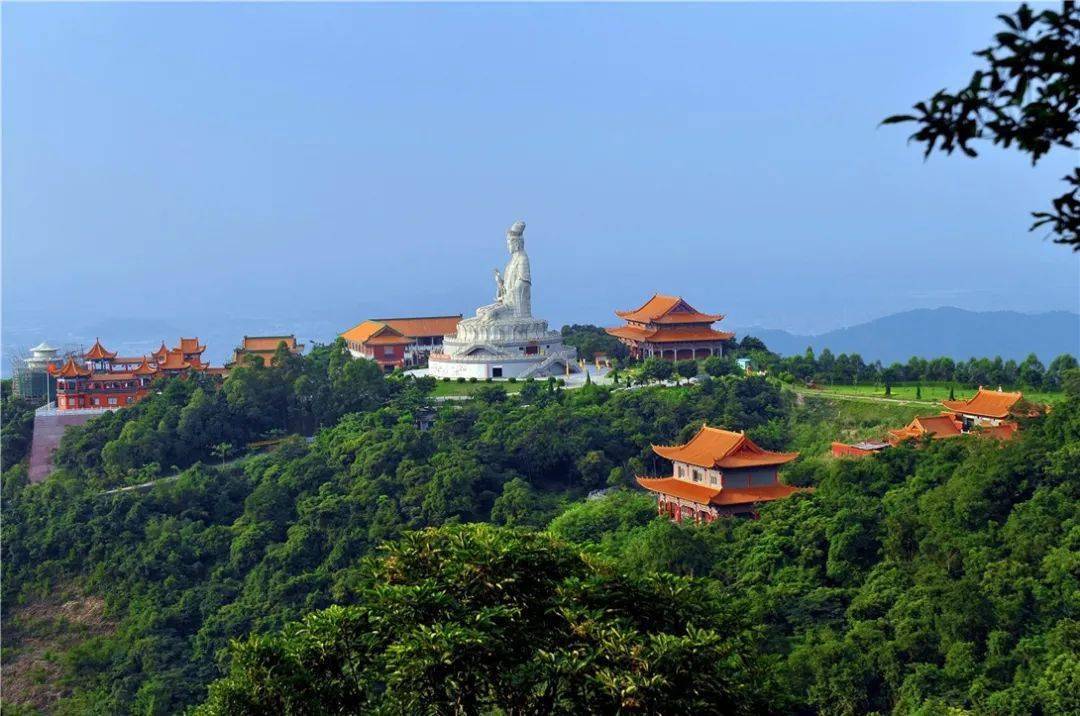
pixel 541 368
pixel 49 427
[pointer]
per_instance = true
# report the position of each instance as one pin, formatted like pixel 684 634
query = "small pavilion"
pixel 718 473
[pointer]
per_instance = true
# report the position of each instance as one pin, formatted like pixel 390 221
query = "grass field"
pixel 931 392
pixel 443 389
pixel 822 419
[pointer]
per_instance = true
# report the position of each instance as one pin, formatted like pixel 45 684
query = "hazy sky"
pixel 320 164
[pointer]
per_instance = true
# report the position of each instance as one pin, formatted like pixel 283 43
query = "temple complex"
pixel 988 414
pixel 718 473
pixel 399 342
pixel 503 340
pixel 102 380
pixel 668 327
pixel 264 347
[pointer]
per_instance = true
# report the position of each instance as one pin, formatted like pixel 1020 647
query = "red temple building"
pixel 718 473
pixel 990 408
pixel 859 449
pixel 945 425
pixel 399 342
pixel 668 327
pixel 988 414
pixel 105 381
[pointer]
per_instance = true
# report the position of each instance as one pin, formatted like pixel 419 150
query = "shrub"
pixel 514 380
pixel 460 379
pixel 472 379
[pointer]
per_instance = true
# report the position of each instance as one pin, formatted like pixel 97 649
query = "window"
pixel 712 478
pixel 112 401
pixel 680 471
pixel 388 350
pixel 697 475
pixel 762 477
pixel 496 372
pixel 97 401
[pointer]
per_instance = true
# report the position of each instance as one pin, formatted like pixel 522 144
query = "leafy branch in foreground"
pixel 1027 95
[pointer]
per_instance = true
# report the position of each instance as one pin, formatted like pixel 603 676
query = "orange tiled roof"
pixel 368 330
pixel 145 368
pixel 665 335
pixel 190 345
pixel 1004 431
pixel 71 370
pixel 986 403
pixel 668 309
pixel 704 495
pixel 713 447
pixel 936 426
pixel 268 344
pixel 98 352
pixel 423 326
pixel 160 353
pixel 174 360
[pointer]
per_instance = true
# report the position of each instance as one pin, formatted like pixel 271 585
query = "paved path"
pixel 808 392
pixel 48 429
pixel 169 478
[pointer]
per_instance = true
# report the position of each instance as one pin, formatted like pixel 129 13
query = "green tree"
pixel 476 620
pixel 656 369
pixel 222 451
pixel 686 369
pixel 1026 95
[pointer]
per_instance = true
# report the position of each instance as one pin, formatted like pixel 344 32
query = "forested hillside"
pixel 931 576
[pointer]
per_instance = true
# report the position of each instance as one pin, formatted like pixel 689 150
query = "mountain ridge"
pixel 944 331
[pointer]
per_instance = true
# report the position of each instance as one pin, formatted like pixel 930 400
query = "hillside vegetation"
pixel 924 578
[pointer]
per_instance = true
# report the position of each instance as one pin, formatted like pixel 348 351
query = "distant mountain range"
pixel 929 333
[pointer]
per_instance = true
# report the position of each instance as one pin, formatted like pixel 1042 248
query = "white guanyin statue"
pixel 513 287
pixel 503 339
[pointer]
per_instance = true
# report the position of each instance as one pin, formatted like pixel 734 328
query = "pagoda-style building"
pixel 105 381
pixel 668 327
pixel 718 473
pixel 990 408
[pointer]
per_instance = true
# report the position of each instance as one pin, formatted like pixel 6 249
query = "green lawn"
pixel 820 419
pixel 443 389
pixel 931 392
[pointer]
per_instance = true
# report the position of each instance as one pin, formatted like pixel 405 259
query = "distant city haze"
pixel 217 170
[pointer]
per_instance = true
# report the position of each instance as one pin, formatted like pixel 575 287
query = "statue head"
pixel 515 237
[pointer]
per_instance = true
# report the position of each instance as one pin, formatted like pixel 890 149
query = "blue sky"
pixel 311 165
